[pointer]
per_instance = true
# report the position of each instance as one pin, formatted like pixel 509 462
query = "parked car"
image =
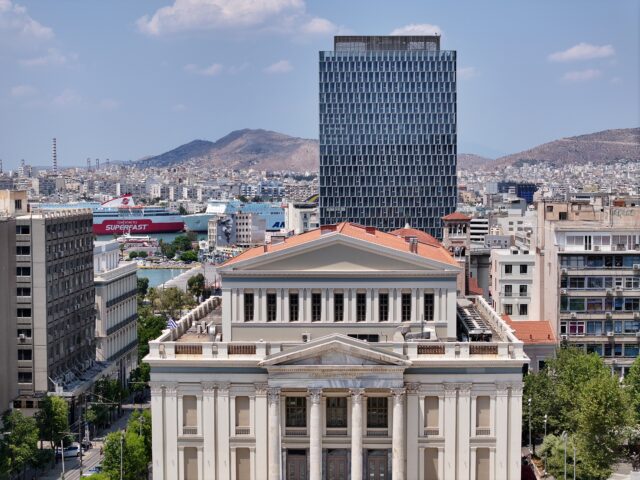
pixel 86 445
pixel 72 450
pixel 92 471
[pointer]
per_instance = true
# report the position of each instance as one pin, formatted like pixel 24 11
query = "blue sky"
pixel 123 79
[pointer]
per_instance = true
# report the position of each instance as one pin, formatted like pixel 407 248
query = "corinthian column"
pixel 397 450
pixel 274 433
pixel 315 435
pixel 356 433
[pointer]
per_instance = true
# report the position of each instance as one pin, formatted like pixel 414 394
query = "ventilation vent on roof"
pixel 370 230
pixel 327 229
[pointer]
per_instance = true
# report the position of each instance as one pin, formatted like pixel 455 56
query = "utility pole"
pixel 62 456
pixel 121 449
pixel 530 444
pixel 564 436
pixel 545 436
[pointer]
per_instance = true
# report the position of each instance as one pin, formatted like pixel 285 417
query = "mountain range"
pixel 268 150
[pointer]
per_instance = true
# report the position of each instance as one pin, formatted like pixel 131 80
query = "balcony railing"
pixel 431 432
pixel 483 431
pixel 243 430
pixel 377 432
pixel 480 349
pixel 248 349
pixel 336 432
pixel 189 430
pixel 188 349
pixel 295 431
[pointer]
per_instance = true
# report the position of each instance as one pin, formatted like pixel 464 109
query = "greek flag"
pixel 171 323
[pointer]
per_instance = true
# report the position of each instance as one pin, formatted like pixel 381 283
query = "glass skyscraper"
pixel 388 132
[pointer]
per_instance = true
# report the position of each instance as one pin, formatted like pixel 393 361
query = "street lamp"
pixel 121 449
pixel 564 437
pixel 545 436
pixel 530 444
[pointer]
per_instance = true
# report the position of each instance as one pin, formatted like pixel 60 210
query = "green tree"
pixel 182 210
pixel 19 444
pixel 150 327
pixel 540 388
pixel 189 256
pixel 130 448
pixel 167 249
pixel 142 254
pixel 53 419
pixel 171 302
pixel 182 243
pixel 140 423
pixel 108 397
pixel 243 199
pixel 143 286
pixel 632 383
pixel 133 255
pixel 195 285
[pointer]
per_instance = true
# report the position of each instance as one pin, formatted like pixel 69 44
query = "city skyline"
pixel 119 83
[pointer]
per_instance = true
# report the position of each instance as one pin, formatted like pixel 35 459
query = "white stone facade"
pixel 512 274
pixel 321 391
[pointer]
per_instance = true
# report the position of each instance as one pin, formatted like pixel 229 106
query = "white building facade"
pixel 512 273
pixel 116 309
pixel 338 355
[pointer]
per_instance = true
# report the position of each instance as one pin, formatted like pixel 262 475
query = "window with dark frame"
pixel 383 307
pixel 272 307
pixel 336 412
pixel 316 307
pixel 523 269
pixel 338 307
pixel 361 307
pixel 508 309
pixel 294 307
pixel 296 411
pixel 508 268
pixel 523 309
pixel 248 307
pixel 406 307
pixel 377 412
pixel 429 311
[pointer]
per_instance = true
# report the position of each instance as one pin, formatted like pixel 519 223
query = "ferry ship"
pixel 273 213
pixel 121 216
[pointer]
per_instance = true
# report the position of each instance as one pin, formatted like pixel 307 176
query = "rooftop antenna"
pixel 54 154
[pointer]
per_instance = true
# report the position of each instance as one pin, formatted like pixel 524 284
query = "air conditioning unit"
pixel 564 271
pixel 609 292
pixel 596 248
pixel 563 336
pixel 637 334
pixel 607 315
pixel 306 337
pixel 563 291
pixel 636 315
pixel 636 267
pixel 609 334
pixel 22 337
pixel 619 289
pixel 574 315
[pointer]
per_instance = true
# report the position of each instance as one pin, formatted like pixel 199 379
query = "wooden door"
pixel 296 467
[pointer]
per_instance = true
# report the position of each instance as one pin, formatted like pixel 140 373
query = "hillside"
pixel 244 149
pixel 607 146
pixel 470 161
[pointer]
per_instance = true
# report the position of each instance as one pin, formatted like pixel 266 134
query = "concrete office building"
pixel 55 302
pixel 388 132
pixel 10 355
pixel 588 279
pixel 116 310
pixel 338 353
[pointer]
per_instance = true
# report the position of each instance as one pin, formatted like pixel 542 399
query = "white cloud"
pixel 23 91
pixel 319 26
pixel 52 57
pixel 15 19
pixel 583 51
pixel 210 71
pixel 179 107
pixel 581 75
pixel 466 73
pixel 283 66
pixel 68 98
pixel 281 16
pixel 418 29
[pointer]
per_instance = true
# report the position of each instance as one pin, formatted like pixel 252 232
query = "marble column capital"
pixel 412 388
pixel 261 389
pixel 223 389
pixel 357 394
pixel 171 388
pixel 316 395
pixel 156 388
pixel 209 387
pixel 502 389
pixel 273 395
pixel 398 395
pixel 516 389
pixel 464 388
pixel 450 389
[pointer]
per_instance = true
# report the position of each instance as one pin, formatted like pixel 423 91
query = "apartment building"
pixel 512 274
pixel 116 310
pixel 301 217
pixel 339 353
pixel 589 281
pixel 10 354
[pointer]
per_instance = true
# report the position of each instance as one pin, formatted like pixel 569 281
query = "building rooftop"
pixel 433 251
pixel 456 216
pixel 532 332
pixel 418 234
pixel 381 43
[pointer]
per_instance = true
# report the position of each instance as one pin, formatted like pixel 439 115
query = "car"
pixel 71 451
pixel 92 471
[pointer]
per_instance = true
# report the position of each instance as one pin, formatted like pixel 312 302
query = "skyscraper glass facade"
pixel 388 132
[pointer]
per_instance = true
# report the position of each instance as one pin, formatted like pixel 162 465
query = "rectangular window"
pixel 24 331
pixel 361 307
pixel 406 307
pixel 294 307
pixel 316 307
pixel 24 354
pixel 483 412
pixel 523 290
pixel 23 229
pixel 242 412
pixel 383 307
pixel 189 411
pixel 25 377
pixel 272 307
pixel 508 290
pixel 24 312
pixel 248 307
pixel 377 412
pixel 23 291
pixel 523 309
pixel 431 412
pixel 508 269
pixel 523 269
pixel 23 250
pixel 18 204
pixel 337 412
pixel 508 309
pixel 429 311
pixel 295 411
pixel 338 307
pixel 23 271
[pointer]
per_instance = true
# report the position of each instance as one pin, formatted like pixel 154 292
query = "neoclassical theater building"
pixel 340 353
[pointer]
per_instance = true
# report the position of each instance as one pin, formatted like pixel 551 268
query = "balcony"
pixel 377 432
pixel 243 431
pixel 336 432
pixel 189 431
pixel 483 431
pixel 295 431
pixel 431 432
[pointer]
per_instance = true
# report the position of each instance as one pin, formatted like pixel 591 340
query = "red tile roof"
pixel 419 234
pixel 536 332
pixel 369 234
pixel 473 287
pixel 456 216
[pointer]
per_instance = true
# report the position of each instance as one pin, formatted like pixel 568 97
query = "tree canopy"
pixel 53 419
pixel 19 444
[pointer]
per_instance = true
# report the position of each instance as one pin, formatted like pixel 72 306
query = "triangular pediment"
pixel 340 254
pixel 335 350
